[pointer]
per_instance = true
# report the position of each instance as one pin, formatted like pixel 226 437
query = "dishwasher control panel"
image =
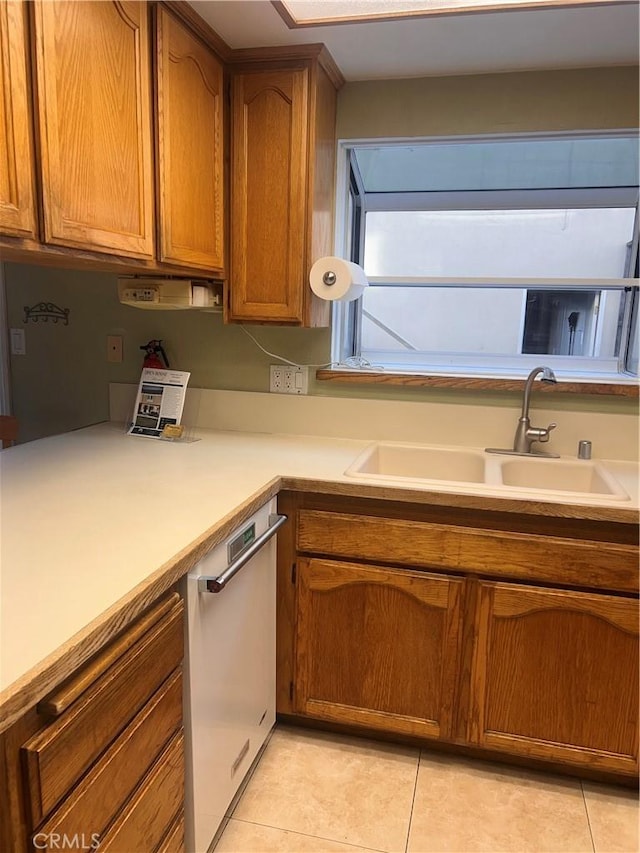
pixel 241 542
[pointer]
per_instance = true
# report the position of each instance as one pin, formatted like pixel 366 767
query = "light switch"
pixel 18 344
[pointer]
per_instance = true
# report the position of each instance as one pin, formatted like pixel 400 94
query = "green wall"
pixel 62 381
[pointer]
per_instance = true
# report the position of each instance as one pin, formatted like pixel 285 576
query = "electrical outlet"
pixel 276 379
pixel 287 379
pixel 114 349
pixel 296 380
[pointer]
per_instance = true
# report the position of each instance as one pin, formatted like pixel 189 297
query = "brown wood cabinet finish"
pixel 542 665
pixel 57 757
pixel 190 148
pixel 95 125
pixel 465 548
pixel 17 195
pixel 173 842
pixel 96 800
pixel 282 161
pixel 90 743
pixel 555 674
pixel 152 810
pixel 377 646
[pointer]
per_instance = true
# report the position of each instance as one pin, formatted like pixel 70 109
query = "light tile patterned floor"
pixel 314 792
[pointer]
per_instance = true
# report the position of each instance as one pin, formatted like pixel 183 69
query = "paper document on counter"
pixel 160 401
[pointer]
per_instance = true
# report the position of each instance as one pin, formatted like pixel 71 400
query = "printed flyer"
pixel 159 402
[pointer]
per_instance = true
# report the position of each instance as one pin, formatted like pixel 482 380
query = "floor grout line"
pixel 413 800
pixel 586 810
pixel 307 835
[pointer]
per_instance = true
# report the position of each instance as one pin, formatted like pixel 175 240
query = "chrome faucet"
pixel 525 433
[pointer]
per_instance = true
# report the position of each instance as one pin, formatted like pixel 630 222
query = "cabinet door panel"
pixel 556 675
pixel 269 165
pixel 17 199
pixel 190 148
pixel 377 647
pixel 93 71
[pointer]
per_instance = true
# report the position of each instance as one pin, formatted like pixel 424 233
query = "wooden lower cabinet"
pixel 555 675
pixel 506 635
pixel 377 646
pixel 101 758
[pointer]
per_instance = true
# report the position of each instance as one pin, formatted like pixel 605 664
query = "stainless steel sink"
pixel 560 475
pixel 416 462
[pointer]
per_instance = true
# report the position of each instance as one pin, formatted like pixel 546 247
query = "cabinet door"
pixel 269 195
pixel 555 676
pixel 377 647
pixel 190 136
pixel 17 199
pixel 93 62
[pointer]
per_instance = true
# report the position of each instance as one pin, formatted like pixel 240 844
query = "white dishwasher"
pixel 230 669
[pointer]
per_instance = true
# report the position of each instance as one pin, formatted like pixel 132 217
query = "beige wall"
pixel 583 99
pixel 61 383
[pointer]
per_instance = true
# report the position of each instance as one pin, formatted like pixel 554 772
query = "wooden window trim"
pixel 472 383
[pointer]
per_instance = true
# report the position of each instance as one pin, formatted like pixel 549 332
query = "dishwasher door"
pixel 229 670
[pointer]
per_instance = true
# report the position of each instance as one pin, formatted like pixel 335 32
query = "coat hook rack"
pixel 46 311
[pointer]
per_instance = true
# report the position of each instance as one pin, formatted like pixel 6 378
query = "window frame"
pixel 346 318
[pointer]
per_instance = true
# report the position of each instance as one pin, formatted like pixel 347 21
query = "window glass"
pixel 500 165
pixel 561 211
pixel 578 243
pixel 440 325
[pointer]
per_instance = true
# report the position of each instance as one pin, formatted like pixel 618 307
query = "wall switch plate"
pixel 114 349
pixel 18 343
pixel 287 379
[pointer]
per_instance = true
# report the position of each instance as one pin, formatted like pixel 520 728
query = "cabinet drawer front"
pixel 518 555
pixel 173 842
pixel 61 753
pixel 147 817
pixel 104 790
pixel 555 676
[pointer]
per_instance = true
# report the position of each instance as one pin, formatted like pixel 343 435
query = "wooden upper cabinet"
pixel 17 198
pixel 555 676
pixel 377 647
pixel 94 111
pixel 282 191
pixel 190 148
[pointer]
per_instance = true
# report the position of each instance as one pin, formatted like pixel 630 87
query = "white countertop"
pixel 88 516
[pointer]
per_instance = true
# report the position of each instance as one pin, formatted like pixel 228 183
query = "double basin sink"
pixel 419 464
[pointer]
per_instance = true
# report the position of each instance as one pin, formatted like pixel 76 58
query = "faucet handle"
pixel 544 433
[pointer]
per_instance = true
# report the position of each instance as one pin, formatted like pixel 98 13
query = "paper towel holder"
pixel 329 278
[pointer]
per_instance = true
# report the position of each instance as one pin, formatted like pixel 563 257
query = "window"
pixel 487 256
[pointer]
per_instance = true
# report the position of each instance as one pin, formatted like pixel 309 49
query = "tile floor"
pixel 314 792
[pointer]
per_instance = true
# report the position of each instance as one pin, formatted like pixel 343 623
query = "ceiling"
pixel 517 40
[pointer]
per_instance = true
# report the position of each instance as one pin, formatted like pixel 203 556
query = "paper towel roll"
pixel 337 280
